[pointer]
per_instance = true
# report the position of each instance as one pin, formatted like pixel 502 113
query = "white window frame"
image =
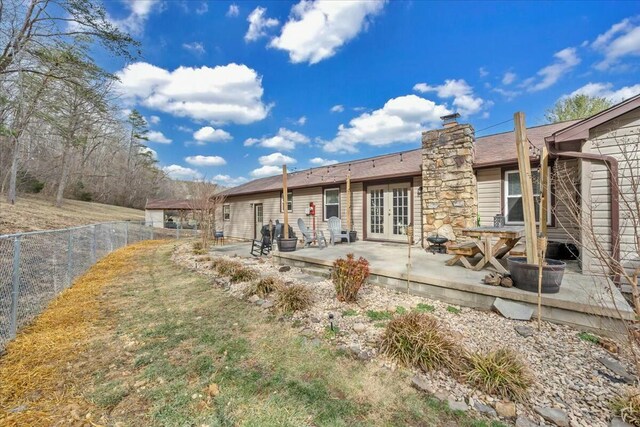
pixel 289 200
pixel 324 202
pixel 505 201
pixel 226 212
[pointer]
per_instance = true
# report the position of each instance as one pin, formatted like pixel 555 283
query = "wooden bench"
pixel 461 253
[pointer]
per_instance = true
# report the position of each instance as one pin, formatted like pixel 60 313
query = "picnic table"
pixel 507 237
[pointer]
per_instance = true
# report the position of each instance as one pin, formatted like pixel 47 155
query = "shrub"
pixel 454 310
pixel 424 308
pixel 264 287
pixel 627 406
pixel 500 373
pixel 586 336
pixel 293 298
pixel 226 267
pixel 401 310
pixel 244 274
pixel 379 315
pixel 417 339
pixel 196 245
pixel 349 312
pixel 348 276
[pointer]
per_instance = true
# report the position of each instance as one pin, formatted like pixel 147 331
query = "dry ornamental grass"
pixel 499 372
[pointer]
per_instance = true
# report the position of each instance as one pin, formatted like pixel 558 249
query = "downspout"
pixel 614 199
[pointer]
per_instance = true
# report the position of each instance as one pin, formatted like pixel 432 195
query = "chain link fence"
pixel 37 266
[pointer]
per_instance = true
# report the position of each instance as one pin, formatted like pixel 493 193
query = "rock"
pixel 254 298
pixel 267 304
pixel 554 415
pixel 615 367
pixel 316 342
pixel 306 332
pixel 484 409
pixel 506 282
pixel 359 328
pixel 419 382
pixel 260 302
pixel 524 422
pixel 284 269
pixel 457 406
pixel 365 355
pixel 506 409
pixel 441 396
pixel 314 320
pixel 512 310
pixel 617 422
pixel 446 230
pixel 524 331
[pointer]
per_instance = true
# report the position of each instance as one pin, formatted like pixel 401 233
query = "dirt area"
pixel 31 213
pixel 159 345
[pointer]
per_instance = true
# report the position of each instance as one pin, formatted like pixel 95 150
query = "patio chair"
pixel 335 230
pixel 264 245
pixel 309 236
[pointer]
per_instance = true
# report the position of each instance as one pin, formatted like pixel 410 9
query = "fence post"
pixel 126 233
pixel 15 280
pixel 178 232
pixel 93 246
pixel 151 232
pixel 70 258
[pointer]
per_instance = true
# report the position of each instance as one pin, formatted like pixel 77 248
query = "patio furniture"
pixel 310 236
pixel 264 245
pixel 218 237
pixel 507 237
pixel 436 244
pixel 335 231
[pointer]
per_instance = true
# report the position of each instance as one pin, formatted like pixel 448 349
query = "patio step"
pixel 317 271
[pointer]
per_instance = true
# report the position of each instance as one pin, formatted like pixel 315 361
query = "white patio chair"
pixel 335 230
pixel 311 236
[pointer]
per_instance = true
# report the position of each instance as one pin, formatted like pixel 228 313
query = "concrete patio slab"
pixel 587 302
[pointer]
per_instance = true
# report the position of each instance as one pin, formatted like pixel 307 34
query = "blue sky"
pixel 233 90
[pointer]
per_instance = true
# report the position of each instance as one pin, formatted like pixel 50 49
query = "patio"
pixel 583 301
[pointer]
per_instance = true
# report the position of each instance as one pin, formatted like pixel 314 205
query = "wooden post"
pixel 542 244
pixel 526 188
pixel 285 201
pixel 410 241
pixel 349 220
pixel 544 190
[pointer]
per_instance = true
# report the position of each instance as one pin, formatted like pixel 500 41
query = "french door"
pixel 389 211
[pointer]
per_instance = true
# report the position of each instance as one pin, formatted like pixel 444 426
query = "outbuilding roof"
pixel 491 150
pixel 169 204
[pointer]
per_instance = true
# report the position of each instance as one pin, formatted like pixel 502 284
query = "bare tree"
pixel 206 205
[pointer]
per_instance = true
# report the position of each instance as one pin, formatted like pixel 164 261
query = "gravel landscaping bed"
pixel 568 374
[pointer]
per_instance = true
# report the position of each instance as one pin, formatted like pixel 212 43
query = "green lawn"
pixel 175 351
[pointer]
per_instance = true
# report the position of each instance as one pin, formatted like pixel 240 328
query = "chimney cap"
pixel 450 117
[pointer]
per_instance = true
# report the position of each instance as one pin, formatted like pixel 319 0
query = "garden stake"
pixel 409 239
pixel 542 247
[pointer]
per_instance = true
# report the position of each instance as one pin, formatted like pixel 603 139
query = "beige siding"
pixel 489 188
pixel 241 222
pixel 565 201
pixel 417 211
pixel 619 138
pixel 154 217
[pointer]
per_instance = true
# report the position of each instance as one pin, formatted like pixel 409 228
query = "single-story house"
pixel 455 180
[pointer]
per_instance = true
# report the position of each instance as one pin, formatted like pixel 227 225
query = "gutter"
pixel 614 198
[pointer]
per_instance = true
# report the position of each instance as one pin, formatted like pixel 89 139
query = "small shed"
pixel 168 213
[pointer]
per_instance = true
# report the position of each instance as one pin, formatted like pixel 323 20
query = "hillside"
pixel 32 213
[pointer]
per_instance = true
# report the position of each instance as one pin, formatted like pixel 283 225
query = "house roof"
pixel 491 150
pixel 579 130
pixel 500 149
pixel 176 204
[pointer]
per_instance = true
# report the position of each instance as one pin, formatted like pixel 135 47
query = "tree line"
pixel 62 131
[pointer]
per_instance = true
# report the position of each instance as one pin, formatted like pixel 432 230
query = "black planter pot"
pixel 525 276
pixel 287 245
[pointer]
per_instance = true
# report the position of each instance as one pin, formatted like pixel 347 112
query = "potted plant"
pixel 525 276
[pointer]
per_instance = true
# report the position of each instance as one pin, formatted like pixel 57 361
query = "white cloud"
pixel 566 60
pixel 463 98
pixel 157 136
pixel 508 78
pixel 203 8
pixel 196 48
pixel 265 171
pixel 209 134
pixel 150 151
pixel 319 161
pixel 301 121
pixel 605 90
pixel 205 160
pixel 228 181
pixel 316 29
pixel 222 94
pixel 619 41
pixel 483 72
pixel 185 129
pixel 337 108
pixel 182 173
pixel 154 120
pixel 259 24
pixel 139 11
pixel 276 159
pixel 401 119
pixel 285 140
pixel 234 10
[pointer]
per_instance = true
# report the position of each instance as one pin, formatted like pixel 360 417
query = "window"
pixel 513 210
pixel 289 201
pixel 331 203
pixel 226 212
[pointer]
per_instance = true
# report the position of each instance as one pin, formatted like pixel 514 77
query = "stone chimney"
pixel 449 195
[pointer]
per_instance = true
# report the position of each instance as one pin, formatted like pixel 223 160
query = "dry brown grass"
pixel 32 369
pixel 627 405
pixel 293 298
pixel 500 373
pixel 264 287
pixel 31 213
